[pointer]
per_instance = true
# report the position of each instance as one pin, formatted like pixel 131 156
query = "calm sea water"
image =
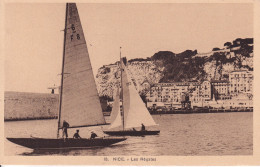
pixel 187 134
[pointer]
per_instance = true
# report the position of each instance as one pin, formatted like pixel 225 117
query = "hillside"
pixel 145 73
pixel 166 66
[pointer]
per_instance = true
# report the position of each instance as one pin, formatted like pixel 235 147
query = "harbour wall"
pixel 32 106
pixel 29 106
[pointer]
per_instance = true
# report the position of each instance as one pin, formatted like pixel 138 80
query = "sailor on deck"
pixel 93 135
pixel 76 135
pixel 64 129
pixel 143 127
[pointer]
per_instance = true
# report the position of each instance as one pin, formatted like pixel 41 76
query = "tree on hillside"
pixel 237 42
pixel 220 58
pixel 139 59
pixel 179 67
pixel 249 40
pixel 228 44
pixel 105 98
pixel 187 54
pixel 243 52
pixel 163 55
pixel 215 49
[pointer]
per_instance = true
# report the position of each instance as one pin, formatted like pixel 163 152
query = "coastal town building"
pixel 220 89
pixel 172 94
pixel 237 91
pixel 241 81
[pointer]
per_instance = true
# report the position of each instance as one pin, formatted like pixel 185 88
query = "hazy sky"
pixel 34 40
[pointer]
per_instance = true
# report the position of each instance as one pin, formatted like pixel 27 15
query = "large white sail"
pixel 80 105
pixel 116 120
pixel 135 111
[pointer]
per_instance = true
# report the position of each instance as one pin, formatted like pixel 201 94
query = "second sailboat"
pixel 134 118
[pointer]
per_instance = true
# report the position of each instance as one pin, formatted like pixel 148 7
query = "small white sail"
pixel 135 110
pixel 80 105
pixel 116 120
pixel 125 92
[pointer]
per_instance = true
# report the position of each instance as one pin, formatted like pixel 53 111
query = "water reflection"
pixel 71 152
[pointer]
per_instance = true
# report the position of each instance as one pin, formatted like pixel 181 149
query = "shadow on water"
pixel 74 151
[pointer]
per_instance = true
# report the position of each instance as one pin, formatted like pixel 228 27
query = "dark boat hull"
pixel 42 143
pixel 132 133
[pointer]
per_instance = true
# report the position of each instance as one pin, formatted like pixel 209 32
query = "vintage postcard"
pixel 130 83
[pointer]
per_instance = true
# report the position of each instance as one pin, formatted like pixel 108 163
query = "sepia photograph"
pixel 128 79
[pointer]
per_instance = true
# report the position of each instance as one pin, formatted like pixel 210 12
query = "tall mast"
pixel 123 115
pixel 62 71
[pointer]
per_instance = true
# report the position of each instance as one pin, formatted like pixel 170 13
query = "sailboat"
pixel 79 103
pixel 134 112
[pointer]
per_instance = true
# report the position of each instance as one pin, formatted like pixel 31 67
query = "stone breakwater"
pixel 28 106
pixel 31 106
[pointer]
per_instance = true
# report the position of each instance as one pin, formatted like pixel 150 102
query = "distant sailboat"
pixel 79 101
pixel 134 110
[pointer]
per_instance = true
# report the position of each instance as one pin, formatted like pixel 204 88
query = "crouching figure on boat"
pixel 93 135
pixel 76 135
